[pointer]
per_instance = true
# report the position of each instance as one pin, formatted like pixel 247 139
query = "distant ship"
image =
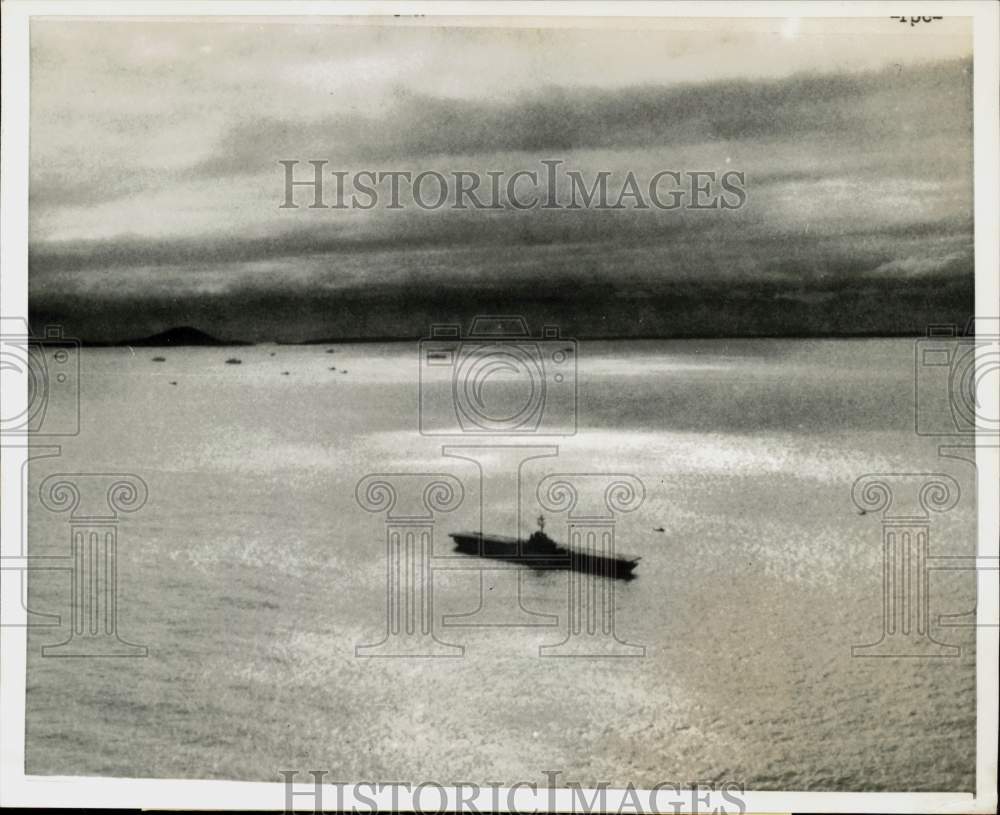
pixel 542 553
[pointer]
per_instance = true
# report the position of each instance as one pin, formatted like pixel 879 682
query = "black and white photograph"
pixel 500 407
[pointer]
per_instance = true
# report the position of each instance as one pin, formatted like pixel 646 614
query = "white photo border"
pixel 18 789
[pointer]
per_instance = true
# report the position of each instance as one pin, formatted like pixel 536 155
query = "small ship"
pixel 541 553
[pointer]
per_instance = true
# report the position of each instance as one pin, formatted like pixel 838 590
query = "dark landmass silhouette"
pixel 177 337
pixel 852 307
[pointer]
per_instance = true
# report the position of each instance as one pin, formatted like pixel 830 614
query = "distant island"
pixel 190 337
pixel 180 336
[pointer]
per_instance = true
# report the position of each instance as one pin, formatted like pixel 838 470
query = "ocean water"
pixel 252 573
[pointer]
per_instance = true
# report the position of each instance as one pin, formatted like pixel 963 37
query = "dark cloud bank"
pixel 593 273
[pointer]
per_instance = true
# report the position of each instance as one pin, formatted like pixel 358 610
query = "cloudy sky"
pixel 155 183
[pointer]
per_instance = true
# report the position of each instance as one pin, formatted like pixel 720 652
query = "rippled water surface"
pixel 252 573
